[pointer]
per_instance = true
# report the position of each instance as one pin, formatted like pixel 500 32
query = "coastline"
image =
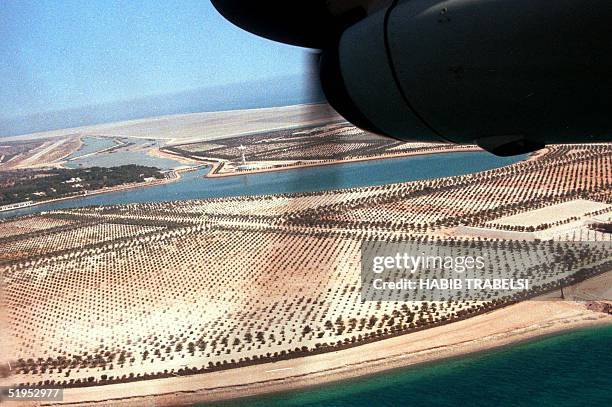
pixel 116 140
pixel 176 176
pixel 215 164
pixel 159 153
pixel 507 326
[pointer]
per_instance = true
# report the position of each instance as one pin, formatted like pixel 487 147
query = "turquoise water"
pixel 570 369
pixel 349 175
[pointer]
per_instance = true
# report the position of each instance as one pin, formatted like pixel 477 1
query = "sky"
pixel 64 54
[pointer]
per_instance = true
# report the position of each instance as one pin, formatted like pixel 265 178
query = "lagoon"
pixel 91 145
pixel 193 185
pixel 133 152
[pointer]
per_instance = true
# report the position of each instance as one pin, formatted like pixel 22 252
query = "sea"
pixel 569 369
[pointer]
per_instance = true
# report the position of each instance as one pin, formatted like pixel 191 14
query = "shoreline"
pixel 195 164
pixel 176 177
pixel 215 164
pixel 116 140
pixel 511 325
pixel 159 153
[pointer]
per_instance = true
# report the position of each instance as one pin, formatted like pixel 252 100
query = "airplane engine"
pixel 509 75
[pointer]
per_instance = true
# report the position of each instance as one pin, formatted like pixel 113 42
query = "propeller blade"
pixel 315 90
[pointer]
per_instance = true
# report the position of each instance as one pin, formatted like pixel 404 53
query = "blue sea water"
pixel 569 369
pixel 348 175
pixel 572 369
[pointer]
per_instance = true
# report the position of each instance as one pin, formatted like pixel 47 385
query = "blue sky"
pixel 61 54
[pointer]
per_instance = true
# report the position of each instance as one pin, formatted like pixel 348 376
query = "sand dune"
pixel 202 126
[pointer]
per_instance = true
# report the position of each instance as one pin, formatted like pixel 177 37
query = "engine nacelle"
pixel 510 75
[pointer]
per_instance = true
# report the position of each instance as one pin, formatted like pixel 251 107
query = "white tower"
pixel 242 148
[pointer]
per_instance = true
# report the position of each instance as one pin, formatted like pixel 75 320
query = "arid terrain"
pixel 233 142
pixel 208 299
pixel 201 126
pixel 36 153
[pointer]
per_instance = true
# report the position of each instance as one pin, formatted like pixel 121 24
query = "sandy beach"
pixel 519 322
pixel 311 204
pixel 229 323
pixel 201 126
pixel 159 153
